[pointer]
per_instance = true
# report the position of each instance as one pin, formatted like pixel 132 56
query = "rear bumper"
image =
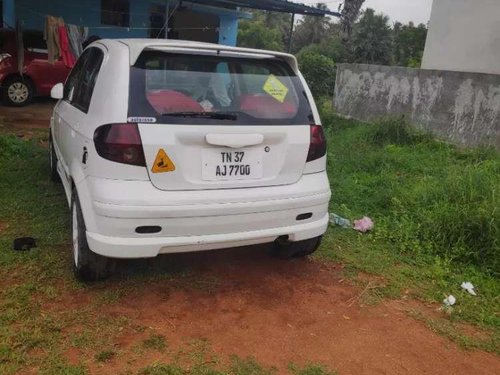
pixel 123 247
pixel 198 220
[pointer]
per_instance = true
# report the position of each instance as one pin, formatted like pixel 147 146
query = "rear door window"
pixel 74 77
pixel 88 79
pixel 80 84
pixel 200 89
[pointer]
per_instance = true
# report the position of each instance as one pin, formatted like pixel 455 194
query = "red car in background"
pixel 38 75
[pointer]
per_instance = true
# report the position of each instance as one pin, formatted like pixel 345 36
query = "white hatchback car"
pixel 169 146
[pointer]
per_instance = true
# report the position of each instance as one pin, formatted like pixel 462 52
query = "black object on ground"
pixel 24 243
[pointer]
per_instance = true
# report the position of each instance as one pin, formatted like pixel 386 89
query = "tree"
pixel 278 21
pixel 318 71
pixel 350 12
pixel 311 30
pixel 255 34
pixel 333 45
pixel 372 39
pixel 409 43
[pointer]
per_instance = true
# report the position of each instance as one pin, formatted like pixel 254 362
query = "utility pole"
pixel 290 39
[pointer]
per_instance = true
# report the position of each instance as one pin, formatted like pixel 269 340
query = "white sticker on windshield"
pixel 141 119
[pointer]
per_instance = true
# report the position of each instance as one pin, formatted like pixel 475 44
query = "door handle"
pixel 234 140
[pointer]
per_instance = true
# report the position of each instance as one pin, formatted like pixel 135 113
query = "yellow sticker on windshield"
pixel 162 163
pixel 275 88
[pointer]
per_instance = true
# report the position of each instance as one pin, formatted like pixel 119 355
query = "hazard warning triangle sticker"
pixel 162 163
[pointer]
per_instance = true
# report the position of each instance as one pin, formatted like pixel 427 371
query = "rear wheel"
pixel 286 249
pixel 17 91
pixel 87 265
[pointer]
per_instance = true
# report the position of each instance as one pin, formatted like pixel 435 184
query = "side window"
pixel 33 41
pixel 87 80
pixel 81 81
pixel 74 77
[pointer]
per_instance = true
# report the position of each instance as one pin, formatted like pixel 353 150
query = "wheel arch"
pixel 78 183
pixel 23 76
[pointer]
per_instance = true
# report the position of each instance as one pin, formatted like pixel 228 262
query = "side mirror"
pixel 57 91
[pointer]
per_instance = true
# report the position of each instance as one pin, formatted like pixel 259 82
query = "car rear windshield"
pixel 201 89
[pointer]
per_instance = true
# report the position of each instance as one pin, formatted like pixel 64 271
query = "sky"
pixel 404 11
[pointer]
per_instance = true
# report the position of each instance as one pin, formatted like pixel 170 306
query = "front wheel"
pixel 18 91
pixel 287 249
pixel 87 265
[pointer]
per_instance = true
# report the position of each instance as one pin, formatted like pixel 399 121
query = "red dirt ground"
pixel 36 115
pixel 281 312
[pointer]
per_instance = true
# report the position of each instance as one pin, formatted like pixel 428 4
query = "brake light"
pixel 317 145
pixel 121 143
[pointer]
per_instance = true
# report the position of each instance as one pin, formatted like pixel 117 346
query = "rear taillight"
pixel 121 143
pixel 317 145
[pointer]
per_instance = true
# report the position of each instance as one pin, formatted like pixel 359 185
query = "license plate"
pixel 228 164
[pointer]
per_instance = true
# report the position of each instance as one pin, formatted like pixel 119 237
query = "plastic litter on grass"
pixel 467 285
pixel 363 225
pixel 450 300
pixel 340 221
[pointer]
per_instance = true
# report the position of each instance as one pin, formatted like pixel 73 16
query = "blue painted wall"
pixel 88 13
pixel 85 13
pixel 8 10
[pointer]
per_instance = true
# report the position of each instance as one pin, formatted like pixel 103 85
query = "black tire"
pixel 54 175
pixel 17 91
pixel 87 265
pixel 287 249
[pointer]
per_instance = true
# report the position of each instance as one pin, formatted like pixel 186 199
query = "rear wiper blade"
pixel 214 115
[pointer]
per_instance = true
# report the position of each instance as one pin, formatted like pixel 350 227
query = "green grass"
pixel 436 213
pixel 427 197
pixel 155 342
pixel 237 366
pixel 311 369
pixel 105 356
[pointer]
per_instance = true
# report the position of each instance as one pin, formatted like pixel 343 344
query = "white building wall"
pixel 464 35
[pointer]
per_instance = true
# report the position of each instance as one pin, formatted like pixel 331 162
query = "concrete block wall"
pixel 463 108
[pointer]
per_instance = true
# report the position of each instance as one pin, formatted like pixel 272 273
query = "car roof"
pixel 136 46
